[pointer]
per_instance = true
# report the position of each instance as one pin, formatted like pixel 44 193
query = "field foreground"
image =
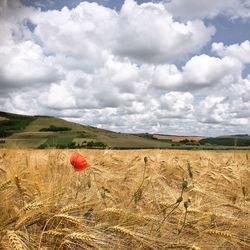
pixel 145 199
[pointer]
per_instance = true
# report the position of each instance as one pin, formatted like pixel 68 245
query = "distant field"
pixel 59 140
pixel 20 131
pixel 227 141
pixel 30 136
pixel 80 141
pixel 43 122
pixel 23 143
pixel 3 118
pixel 127 199
pixel 177 138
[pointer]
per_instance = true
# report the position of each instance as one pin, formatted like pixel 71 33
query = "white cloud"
pixel 58 97
pixel 116 70
pixel 144 33
pixel 23 102
pixel 199 72
pixel 231 109
pixel 239 51
pixel 177 104
pixel 148 33
pixel 24 64
pixel 167 77
pixel 82 34
pixel 191 9
pixel 204 70
pixel 213 109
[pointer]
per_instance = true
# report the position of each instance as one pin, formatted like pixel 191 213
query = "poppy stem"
pixel 99 190
pixel 176 205
pixel 184 222
pixel 78 185
pixel 85 190
pixel 143 177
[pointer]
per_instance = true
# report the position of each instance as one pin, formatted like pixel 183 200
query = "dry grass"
pixel 176 138
pixel 3 118
pixel 166 200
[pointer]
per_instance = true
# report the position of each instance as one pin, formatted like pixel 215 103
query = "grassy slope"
pixel 42 122
pixel 32 137
pixel 13 123
pixel 228 141
pixel 176 138
pixel 26 133
pixel 3 118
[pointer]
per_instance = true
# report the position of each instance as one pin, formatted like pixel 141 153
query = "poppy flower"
pixel 73 158
pixel 78 161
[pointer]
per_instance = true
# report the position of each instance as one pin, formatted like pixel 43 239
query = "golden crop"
pixel 131 199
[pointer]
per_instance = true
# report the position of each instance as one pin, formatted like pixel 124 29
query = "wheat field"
pixel 137 199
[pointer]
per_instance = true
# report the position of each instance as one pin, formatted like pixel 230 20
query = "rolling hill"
pixel 22 131
pixel 44 131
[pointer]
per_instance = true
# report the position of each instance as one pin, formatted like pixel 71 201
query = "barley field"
pixel 131 199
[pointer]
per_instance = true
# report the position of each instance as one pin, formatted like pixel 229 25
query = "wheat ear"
pixel 15 241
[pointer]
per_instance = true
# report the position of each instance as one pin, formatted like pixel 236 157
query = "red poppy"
pixel 73 158
pixel 78 161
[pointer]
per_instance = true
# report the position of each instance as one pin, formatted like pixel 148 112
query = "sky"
pixel 158 66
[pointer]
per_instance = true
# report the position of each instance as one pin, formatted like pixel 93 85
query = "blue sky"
pixel 59 4
pixel 229 31
pixel 166 66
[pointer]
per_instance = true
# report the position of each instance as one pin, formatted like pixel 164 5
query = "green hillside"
pixel 12 123
pixel 43 132
pixel 21 131
pixel 237 140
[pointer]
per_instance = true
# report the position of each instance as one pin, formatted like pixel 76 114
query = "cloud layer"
pixel 191 9
pixel 137 69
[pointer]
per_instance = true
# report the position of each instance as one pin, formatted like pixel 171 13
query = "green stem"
pixel 78 186
pixel 99 191
pixel 143 177
pixel 184 222
pixel 178 202
pixel 165 217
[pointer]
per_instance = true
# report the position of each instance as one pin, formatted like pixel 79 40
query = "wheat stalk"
pixel 69 244
pixel 69 218
pixel 55 233
pixel 30 217
pixel 15 241
pixel 124 231
pixel 69 208
pixel 222 234
pixel 18 185
pixel 32 206
pixel 123 225
pixel 81 237
pixel 5 185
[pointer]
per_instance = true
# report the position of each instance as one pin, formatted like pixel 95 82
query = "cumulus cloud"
pixel 145 33
pixel 118 69
pixel 177 104
pixel 214 109
pixel 240 51
pixel 228 108
pixel 82 34
pixel 205 70
pixel 199 72
pixel 24 64
pixel 192 9
pixel 148 33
